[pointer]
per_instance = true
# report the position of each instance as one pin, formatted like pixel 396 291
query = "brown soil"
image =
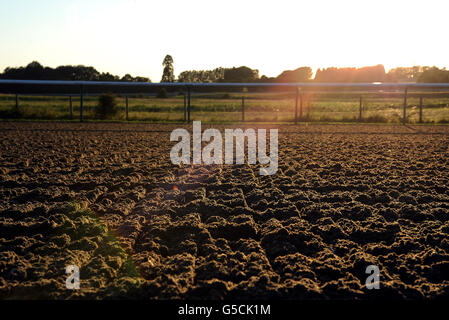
pixel 344 197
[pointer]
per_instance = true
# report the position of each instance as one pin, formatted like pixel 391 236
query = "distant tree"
pixel 108 77
pixel 266 79
pixel 241 74
pixel 399 75
pixel 168 73
pixel 35 71
pixel 435 75
pixel 405 74
pixel 298 75
pixel 365 74
pixel 215 75
pixel 127 77
pixel 186 76
pixel 370 74
pixel 142 79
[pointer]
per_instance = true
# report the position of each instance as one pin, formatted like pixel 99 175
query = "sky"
pixel 133 36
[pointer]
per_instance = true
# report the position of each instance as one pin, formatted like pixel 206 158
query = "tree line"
pixel 332 74
pixel 35 71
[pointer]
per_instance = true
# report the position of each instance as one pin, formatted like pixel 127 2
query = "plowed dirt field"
pixel 107 198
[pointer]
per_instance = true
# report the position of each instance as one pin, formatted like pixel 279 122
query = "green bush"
pixel 106 107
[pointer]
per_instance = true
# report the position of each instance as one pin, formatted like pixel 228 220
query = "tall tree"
pixel 168 73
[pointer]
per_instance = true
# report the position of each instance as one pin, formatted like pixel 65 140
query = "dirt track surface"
pixel 344 198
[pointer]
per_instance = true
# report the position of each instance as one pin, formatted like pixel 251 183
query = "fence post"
pixel 70 107
pixel 296 105
pixel 300 106
pixel 188 104
pixel 127 117
pixel 185 106
pixel 420 109
pixel 243 108
pixel 360 110
pixel 81 103
pixel 17 103
pixel 404 117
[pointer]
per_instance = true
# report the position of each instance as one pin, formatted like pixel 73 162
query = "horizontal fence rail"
pixel 231 84
pixel 92 88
